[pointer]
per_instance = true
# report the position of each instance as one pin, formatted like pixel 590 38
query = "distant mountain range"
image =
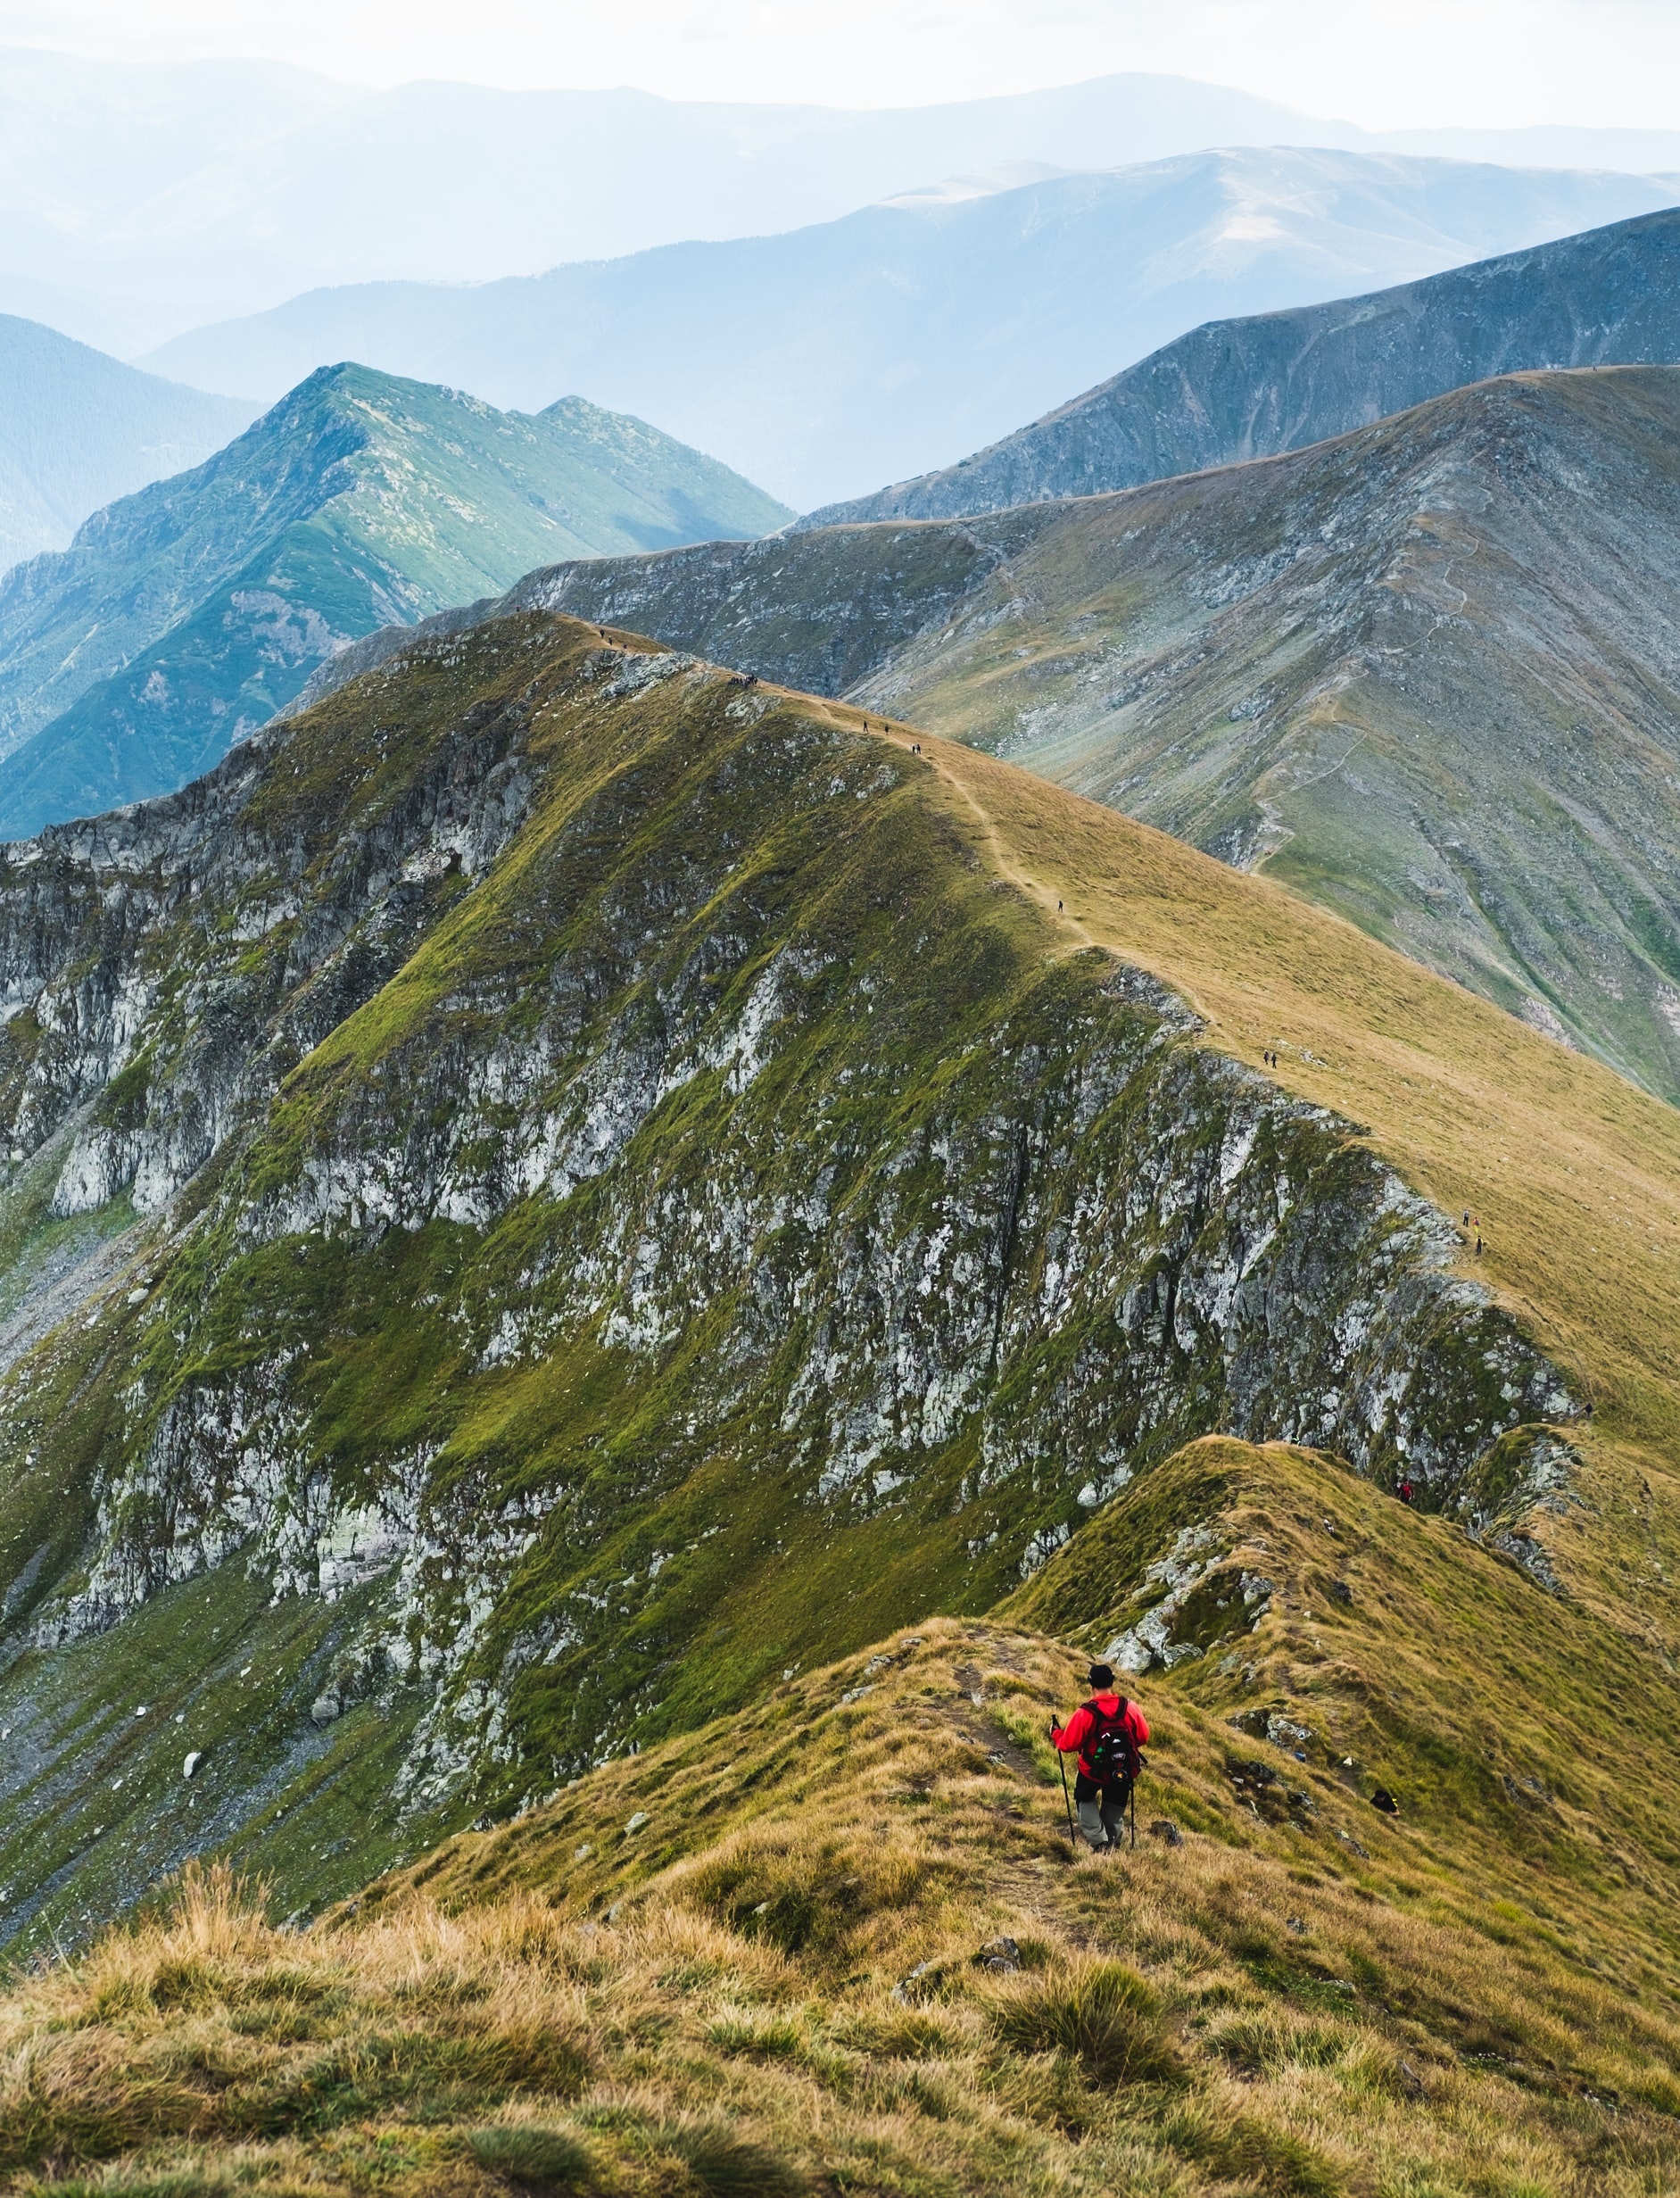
pixel 141 200
pixel 78 429
pixel 1248 388
pixel 824 361
pixel 1428 673
pixel 185 616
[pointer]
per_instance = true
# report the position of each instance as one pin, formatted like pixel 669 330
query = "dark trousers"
pixel 1101 1807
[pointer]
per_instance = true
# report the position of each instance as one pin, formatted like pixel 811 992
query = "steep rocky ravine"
pixel 589 1196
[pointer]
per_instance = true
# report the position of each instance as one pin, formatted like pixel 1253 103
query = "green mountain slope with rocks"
pixel 182 618
pixel 558 1186
pixel 1247 388
pixel 1426 674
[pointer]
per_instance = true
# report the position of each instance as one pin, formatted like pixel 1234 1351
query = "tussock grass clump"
pixel 806 1896
pixel 1266 2043
pixel 759 2030
pixel 1100 2012
pixel 722 2164
pixel 532 2155
pixel 1241 2149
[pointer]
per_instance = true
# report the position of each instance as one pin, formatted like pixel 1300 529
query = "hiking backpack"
pixel 1111 1750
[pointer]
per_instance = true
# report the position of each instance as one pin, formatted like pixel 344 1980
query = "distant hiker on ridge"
pixel 1106 1734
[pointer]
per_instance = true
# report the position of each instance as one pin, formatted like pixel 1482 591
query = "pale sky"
pixel 1385 64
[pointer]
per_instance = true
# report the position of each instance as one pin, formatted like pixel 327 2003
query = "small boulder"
pixel 1165 1830
pixel 906 1989
pixel 325 1708
pixel 190 1766
pixel 636 1822
pixel 999 1953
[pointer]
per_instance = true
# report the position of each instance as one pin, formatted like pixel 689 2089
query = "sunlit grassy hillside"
pixel 842 1942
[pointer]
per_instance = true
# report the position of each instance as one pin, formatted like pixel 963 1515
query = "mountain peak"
pixel 186 615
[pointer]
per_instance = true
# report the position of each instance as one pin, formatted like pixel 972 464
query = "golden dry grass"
pixel 786 1992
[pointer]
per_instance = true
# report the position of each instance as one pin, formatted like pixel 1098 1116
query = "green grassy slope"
pixel 186 615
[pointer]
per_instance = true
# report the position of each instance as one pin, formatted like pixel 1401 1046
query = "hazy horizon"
pixel 1391 65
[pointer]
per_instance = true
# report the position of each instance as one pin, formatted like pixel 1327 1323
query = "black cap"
pixel 1099 1675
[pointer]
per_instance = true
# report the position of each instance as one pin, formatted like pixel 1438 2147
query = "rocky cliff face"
pixel 1247 388
pixel 587 1195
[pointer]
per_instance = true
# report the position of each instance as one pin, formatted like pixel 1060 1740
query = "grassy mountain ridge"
pixel 598 1183
pixel 1424 673
pixel 603 1189
pixel 839 1940
pixel 1241 389
pixel 184 617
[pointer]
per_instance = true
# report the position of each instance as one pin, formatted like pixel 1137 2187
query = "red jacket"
pixel 1073 1736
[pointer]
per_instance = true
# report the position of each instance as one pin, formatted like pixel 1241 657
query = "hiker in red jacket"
pixel 1106 1734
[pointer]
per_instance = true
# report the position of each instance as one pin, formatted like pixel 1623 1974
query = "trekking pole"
pixel 1066 1800
pixel 1133 1797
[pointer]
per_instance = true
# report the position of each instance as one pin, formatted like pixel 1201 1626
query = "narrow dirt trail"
pixel 1004 857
